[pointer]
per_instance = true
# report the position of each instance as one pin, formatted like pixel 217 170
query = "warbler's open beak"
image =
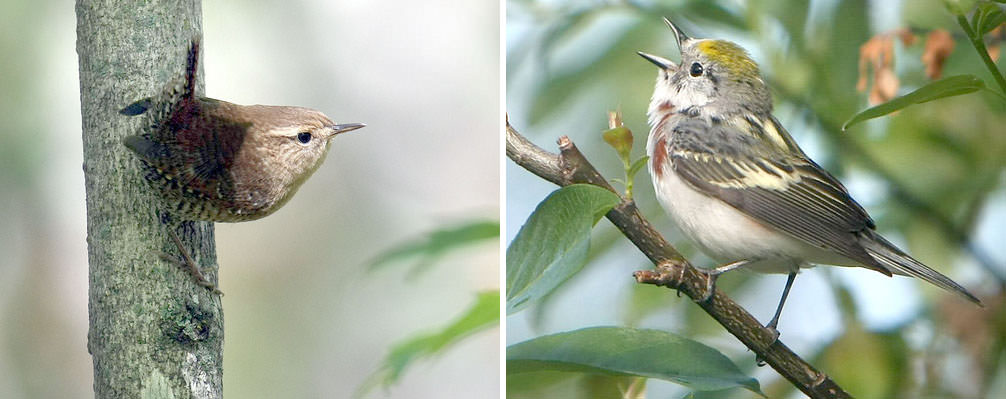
pixel 346 127
pixel 679 36
pixel 661 62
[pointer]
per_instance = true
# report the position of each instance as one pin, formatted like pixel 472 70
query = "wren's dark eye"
pixel 304 137
pixel 696 70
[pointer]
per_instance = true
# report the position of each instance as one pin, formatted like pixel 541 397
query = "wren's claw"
pixel 187 264
pixel 194 271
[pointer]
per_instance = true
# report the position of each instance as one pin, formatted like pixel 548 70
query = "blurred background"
pixel 306 317
pixel 932 177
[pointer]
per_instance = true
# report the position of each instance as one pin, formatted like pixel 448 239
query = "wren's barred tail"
pixel 191 67
pixel 187 90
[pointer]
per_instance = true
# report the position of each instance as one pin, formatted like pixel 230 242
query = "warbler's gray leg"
pixel 189 265
pixel 778 311
pixel 712 275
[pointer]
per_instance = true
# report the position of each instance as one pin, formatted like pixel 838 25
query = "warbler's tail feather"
pixel 900 263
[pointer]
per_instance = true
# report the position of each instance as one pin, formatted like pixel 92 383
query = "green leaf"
pixel 636 166
pixel 619 138
pixel 552 245
pixel 629 351
pixel 439 242
pixel 992 20
pixel 483 314
pixel 987 16
pixel 946 87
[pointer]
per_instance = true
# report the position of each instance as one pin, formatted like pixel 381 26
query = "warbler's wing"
pixel 760 175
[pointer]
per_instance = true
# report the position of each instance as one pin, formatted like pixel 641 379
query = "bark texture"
pixel 153 332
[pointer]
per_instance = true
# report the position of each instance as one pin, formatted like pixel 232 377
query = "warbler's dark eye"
pixel 304 137
pixel 696 70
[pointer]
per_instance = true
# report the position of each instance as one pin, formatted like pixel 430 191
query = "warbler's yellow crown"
pixel 730 56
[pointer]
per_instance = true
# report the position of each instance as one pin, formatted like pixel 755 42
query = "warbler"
pixel 739 186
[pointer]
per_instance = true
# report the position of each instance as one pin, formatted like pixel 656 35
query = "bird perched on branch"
pixel 740 187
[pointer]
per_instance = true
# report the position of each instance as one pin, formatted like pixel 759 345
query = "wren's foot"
pixel 186 263
pixel 194 271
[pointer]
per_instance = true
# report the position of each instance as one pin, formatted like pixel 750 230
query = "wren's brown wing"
pixel 194 150
pixel 782 189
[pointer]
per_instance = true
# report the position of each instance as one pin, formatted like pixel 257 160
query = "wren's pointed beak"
pixel 661 62
pixel 679 36
pixel 346 127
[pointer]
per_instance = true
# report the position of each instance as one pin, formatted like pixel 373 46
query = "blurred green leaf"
pixel 483 314
pixel 564 85
pixel 630 351
pixel 868 365
pixel 946 87
pixel 544 384
pixel 552 245
pixel 644 301
pixel 699 13
pixel 559 384
pixel 992 21
pixel 439 242
pixel 987 17
pixel 792 16
pixel 832 54
pixel 572 23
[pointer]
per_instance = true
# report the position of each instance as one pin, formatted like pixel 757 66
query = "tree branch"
pixel 672 270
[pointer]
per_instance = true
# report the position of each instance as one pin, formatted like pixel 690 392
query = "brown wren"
pixel 216 161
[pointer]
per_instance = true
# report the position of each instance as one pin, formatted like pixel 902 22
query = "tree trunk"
pixel 153 332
